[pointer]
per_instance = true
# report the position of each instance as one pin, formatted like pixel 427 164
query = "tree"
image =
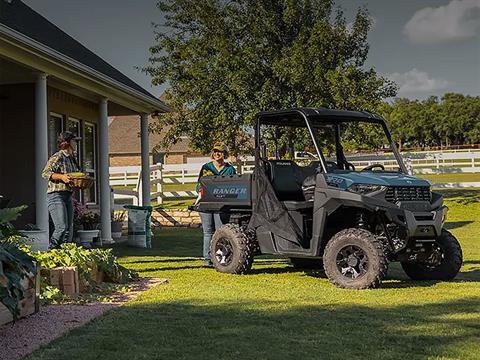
pixel 226 60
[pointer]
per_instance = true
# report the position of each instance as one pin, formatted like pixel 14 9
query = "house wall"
pixel 69 105
pixel 17 157
pixel 135 160
pixel 126 160
pixel 17 139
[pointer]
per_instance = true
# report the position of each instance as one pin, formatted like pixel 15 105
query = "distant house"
pixel 124 143
pixel 49 83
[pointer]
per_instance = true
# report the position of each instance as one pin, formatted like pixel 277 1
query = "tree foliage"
pixel 226 60
pixel 452 120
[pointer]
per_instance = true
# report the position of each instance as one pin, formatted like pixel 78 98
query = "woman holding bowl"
pixel 60 190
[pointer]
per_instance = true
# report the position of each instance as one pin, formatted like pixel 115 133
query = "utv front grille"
pixel 407 193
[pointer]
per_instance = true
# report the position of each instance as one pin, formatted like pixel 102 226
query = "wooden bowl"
pixel 81 183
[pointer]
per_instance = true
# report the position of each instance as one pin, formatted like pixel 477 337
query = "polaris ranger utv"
pixel 323 210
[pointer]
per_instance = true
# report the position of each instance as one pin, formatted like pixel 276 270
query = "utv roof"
pixel 294 117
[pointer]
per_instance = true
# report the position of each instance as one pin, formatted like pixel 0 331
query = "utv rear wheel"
pixel 306 263
pixel 443 264
pixel 354 259
pixel 231 250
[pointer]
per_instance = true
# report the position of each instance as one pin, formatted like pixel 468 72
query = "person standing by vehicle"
pixel 59 191
pixel 212 221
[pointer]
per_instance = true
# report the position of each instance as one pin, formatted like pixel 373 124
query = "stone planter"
pixel 117 229
pixel 37 238
pixel 86 237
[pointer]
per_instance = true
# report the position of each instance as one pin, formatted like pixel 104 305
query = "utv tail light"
pixel 202 190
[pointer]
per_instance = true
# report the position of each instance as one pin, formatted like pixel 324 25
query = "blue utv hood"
pixel 344 179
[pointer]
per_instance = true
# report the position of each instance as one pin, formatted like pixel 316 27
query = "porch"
pixel 35 106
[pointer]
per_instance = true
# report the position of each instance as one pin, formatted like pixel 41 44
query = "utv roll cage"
pixel 311 117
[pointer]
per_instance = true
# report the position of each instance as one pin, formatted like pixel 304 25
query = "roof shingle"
pixel 21 18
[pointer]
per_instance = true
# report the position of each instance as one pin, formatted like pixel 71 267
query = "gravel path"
pixel 52 321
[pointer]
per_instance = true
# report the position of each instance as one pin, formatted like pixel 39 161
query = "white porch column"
pixel 145 160
pixel 41 151
pixel 106 229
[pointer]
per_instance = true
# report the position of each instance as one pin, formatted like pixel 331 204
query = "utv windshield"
pixel 335 146
pixel 356 146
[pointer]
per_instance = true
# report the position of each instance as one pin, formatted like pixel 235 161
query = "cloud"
pixel 459 19
pixel 415 82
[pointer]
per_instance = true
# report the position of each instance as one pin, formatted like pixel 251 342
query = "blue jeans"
pixel 210 222
pixel 60 207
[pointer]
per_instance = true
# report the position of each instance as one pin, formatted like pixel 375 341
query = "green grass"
pixel 452 178
pixel 281 313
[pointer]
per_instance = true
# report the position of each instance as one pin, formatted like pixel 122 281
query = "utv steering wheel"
pixel 349 166
pixel 373 166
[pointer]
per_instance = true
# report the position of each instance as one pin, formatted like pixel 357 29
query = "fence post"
pixel 183 176
pixel 159 177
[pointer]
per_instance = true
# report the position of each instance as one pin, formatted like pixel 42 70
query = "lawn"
pixel 452 178
pixel 281 313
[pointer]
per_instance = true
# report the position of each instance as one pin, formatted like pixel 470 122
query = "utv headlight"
pixel 365 188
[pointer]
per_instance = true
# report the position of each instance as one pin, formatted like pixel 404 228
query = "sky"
pixel 428 47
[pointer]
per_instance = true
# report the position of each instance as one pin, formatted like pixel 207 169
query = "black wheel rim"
pixel 223 252
pixel 435 259
pixel 352 262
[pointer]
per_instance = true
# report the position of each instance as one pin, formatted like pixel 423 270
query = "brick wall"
pixel 135 160
pixel 177 218
pixel 125 160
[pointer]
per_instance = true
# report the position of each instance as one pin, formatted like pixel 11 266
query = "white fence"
pixel 126 180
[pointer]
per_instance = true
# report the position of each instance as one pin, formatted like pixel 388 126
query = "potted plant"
pixel 89 221
pixel 117 223
pixel 35 237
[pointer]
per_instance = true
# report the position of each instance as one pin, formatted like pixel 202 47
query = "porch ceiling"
pixel 15 73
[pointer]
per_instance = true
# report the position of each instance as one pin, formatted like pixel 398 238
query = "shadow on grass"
pixel 462 197
pixel 457 224
pixel 167 268
pixel 187 259
pixel 275 330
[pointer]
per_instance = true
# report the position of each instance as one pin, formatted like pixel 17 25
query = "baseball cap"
pixel 220 146
pixel 66 136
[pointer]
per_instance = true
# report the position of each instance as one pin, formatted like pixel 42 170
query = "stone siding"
pixel 177 218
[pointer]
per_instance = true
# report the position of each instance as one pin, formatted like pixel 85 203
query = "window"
pixel 73 125
pixel 56 125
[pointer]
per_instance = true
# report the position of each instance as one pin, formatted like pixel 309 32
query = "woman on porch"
pixel 59 192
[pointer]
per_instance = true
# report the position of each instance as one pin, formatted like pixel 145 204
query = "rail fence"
pixel 126 180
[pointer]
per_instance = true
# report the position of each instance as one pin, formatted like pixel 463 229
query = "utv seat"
pixel 287 179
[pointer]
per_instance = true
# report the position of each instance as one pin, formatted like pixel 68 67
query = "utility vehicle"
pixel 315 198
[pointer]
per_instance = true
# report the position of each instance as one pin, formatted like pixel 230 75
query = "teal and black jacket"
pixel 209 169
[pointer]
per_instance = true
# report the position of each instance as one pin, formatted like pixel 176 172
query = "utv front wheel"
pixel 443 264
pixel 231 250
pixel 354 259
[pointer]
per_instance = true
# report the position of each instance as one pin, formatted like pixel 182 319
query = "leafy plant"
pixel 90 220
pixel 7 215
pixel 15 265
pixel 88 262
